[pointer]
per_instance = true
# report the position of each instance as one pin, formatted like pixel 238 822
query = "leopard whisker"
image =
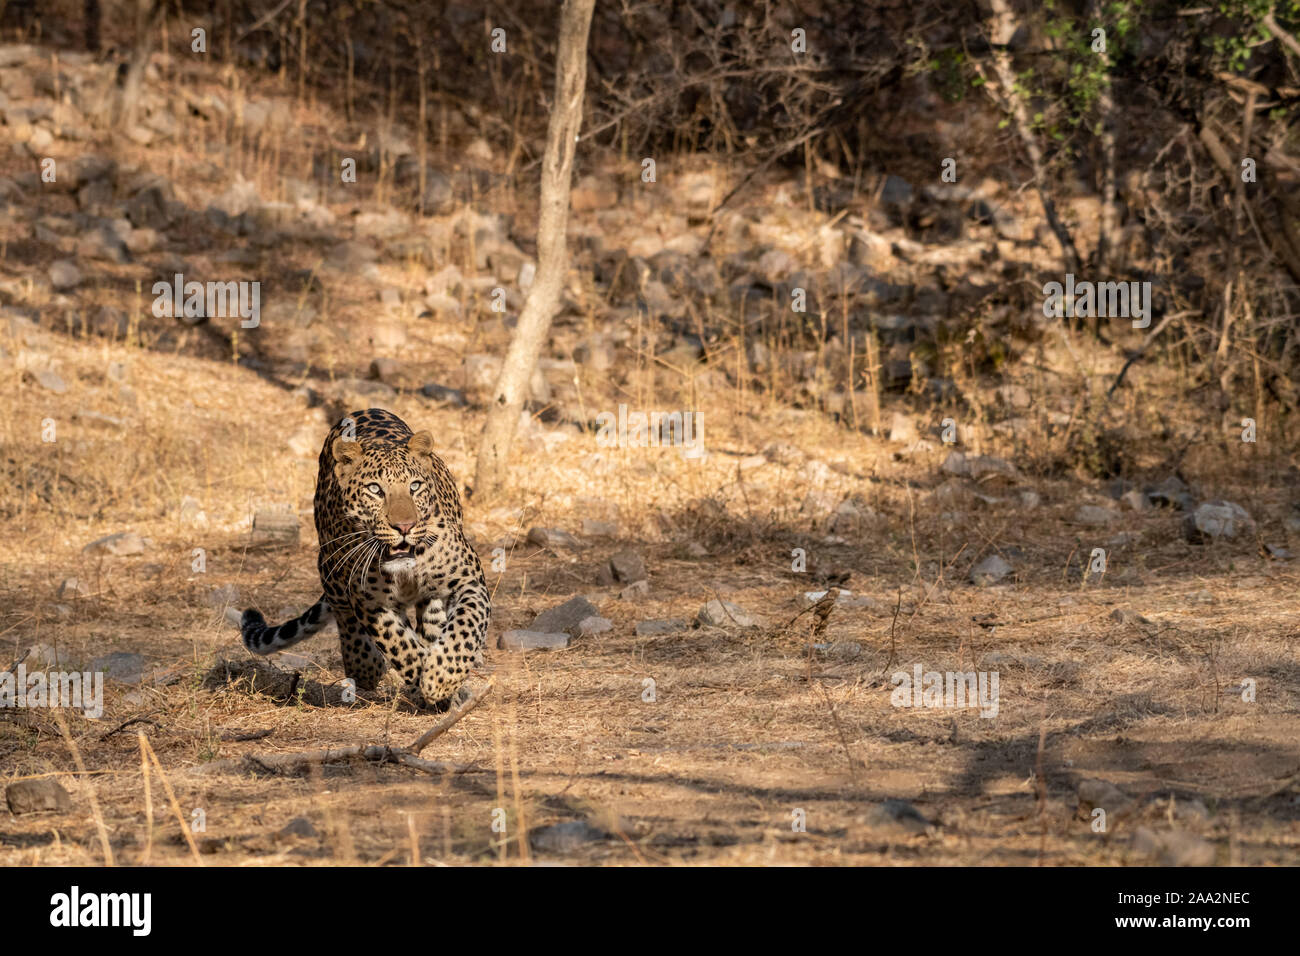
pixel 342 562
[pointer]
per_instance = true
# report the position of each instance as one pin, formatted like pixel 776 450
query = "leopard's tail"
pixel 262 639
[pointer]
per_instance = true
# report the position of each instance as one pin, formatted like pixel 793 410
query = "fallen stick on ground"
pixel 373 753
pixel 456 713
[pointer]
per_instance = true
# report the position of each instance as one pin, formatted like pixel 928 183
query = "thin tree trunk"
pixel 148 13
pixel 552 256
pixel 1106 108
pixel 1002 26
pixel 92 15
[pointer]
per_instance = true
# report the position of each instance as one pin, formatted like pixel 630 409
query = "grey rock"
pixel 592 528
pixel 552 538
pixel 298 827
pixel 50 380
pixel 839 650
pixel 33 796
pixel 223 597
pixel 1094 793
pixel 441 393
pixel 628 566
pixel 103 244
pixel 590 626
pixel 64 275
pixel 990 571
pixel 656 628
pixel 73 588
pixel 43 656
pixel 1216 519
pixel 955 464
pixel 384 369
pixel 725 614
pixel 521 640
pixel 566 617
pixel 636 589
pixel 1136 500
pixel 121 544
pixel 565 837
pixel 1093 515
pixel 898 814
pixel 120 666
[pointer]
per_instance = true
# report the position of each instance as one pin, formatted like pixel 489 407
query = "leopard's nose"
pixel 404 529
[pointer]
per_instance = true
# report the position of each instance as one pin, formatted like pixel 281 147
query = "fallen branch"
pixel 442 726
pixel 408 756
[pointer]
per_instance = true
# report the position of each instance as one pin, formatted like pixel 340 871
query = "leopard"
pixel 398 574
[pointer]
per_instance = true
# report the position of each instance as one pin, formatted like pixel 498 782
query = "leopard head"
pixel 389 493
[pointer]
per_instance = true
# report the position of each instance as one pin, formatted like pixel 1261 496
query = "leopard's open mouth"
pixel 398 551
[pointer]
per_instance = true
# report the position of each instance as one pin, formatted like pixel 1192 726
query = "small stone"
pixel 1093 515
pixel 898 814
pixel 628 566
pixel 275 529
pixel 43 656
pixel 120 666
pixel 384 369
pixel 33 796
pixel 520 640
pixel 843 599
pixel 64 275
pixel 50 380
pixel 839 650
pixel 441 393
pixel 1094 793
pixel 565 837
pixel 1216 519
pixel 981 465
pixel 955 464
pixel 73 588
pixel 298 827
pixel 634 590
pixel 223 597
pixel 552 538
pixel 591 528
pixel 121 544
pixel 565 617
pixel 990 571
pixel 1136 500
pixel 725 614
pixel 590 626
pixel 656 628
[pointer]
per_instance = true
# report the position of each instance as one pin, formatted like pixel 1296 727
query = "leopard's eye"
pixel 374 489
pixel 416 486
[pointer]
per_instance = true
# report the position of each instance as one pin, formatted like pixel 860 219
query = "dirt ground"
pixel 1163 690
pixel 747 748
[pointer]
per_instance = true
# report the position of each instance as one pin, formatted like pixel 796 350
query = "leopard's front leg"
pixel 455 638
pixel 406 653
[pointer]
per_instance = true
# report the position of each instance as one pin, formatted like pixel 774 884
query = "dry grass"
pixel 747 726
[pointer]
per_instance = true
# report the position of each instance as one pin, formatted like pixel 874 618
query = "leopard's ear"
pixel 346 452
pixel 421 443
